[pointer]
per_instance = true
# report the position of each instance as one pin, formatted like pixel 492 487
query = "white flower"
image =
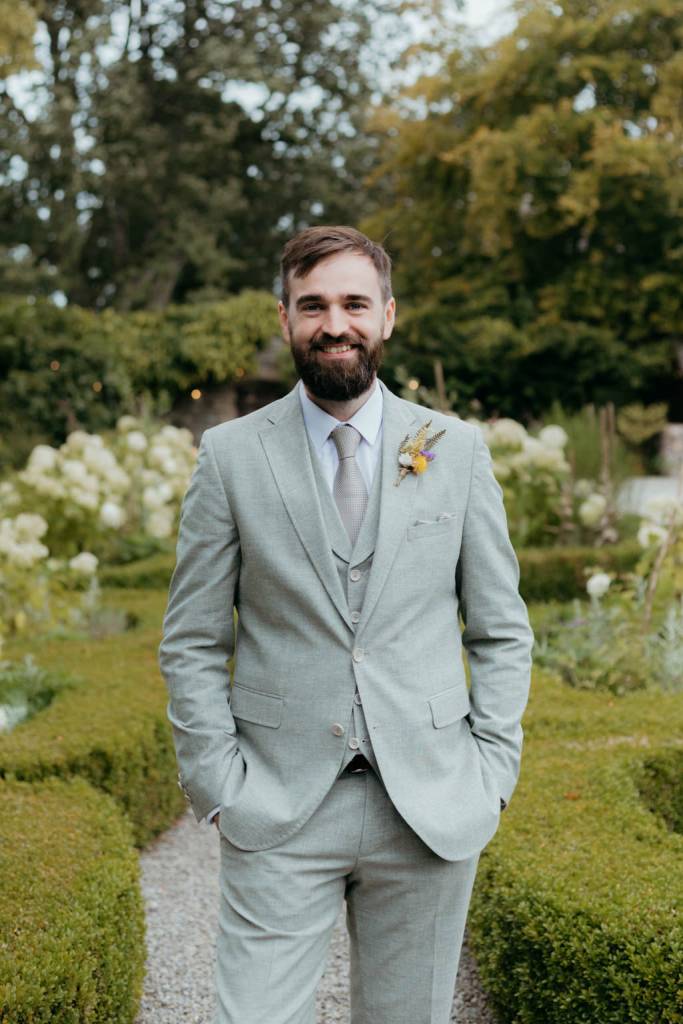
pixel 553 436
pixel 85 563
pixel 598 584
pixel 501 470
pixel 75 470
pixel 78 440
pixel 117 478
pixel 112 515
pixel 650 532
pixel 28 526
pixel 101 460
pixel 126 423
pixel 662 508
pixel 43 458
pixel 583 487
pixel 507 432
pixel 160 523
pixel 84 499
pixel 592 509
pixel 405 459
pixel 136 441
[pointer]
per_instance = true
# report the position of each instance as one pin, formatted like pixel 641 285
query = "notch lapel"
pixel 285 442
pixel 396 503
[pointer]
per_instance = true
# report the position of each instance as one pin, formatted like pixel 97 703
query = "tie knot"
pixel 346 439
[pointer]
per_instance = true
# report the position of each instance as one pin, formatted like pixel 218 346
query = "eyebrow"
pixel 303 299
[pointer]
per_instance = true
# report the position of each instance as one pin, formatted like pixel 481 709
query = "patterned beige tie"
pixel 349 488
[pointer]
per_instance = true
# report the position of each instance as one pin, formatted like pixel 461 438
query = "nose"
pixel 334 323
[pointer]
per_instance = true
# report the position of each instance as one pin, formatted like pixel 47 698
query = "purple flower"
pixel 427 454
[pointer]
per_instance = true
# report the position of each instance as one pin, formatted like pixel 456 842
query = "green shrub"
pixel 576 912
pixel 71 914
pixel 112 731
pixel 557 574
pixel 152 573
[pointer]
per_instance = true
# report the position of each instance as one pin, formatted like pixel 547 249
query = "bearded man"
pixel 346 760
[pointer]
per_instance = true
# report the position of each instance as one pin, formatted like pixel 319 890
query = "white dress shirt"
pixel 368 422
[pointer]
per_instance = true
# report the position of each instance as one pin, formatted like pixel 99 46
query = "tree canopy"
pixel 536 215
pixel 169 148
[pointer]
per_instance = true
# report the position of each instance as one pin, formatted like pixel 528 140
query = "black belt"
pixel 358 763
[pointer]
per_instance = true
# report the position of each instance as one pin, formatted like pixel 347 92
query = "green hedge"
pixel 576 913
pixel 71 915
pixel 153 573
pixel 112 730
pixel 557 574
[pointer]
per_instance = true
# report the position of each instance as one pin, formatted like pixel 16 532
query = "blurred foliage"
pixel 17 25
pixel 68 368
pixel 168 149
pixel 637 423
pixel 536 214
pixel 583 446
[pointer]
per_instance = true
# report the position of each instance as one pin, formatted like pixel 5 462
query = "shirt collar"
pixel 367 420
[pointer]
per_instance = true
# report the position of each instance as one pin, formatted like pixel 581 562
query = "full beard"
pixel 338 380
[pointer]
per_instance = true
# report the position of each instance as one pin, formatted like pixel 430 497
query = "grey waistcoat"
pixel 353 565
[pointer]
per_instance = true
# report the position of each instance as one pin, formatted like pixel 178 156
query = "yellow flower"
pixel 419 463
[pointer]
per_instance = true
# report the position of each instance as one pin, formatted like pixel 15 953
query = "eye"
pixel 357 305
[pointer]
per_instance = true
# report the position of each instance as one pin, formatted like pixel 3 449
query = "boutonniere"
pixel 415 453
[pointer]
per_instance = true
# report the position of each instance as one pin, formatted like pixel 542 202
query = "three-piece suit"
pixel 341 647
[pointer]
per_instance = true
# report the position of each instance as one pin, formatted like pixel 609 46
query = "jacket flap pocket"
pixel 255 706
pixel 449 705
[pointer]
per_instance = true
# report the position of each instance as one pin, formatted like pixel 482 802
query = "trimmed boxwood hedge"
pixel 575 917
pixel 112 730
pixel 71 914
pixel 557 574
pixel 152 573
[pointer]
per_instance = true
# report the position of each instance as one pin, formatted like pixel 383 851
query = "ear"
pixel 389 318
pixel 284 321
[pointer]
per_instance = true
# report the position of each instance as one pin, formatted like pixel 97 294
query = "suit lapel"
pixel 396 503
pixel 285 442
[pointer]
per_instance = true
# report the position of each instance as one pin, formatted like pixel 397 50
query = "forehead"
pixel 347 273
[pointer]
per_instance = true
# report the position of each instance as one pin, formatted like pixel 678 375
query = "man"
pixel 347 761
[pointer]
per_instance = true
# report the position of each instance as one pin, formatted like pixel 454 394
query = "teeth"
pixel 337 348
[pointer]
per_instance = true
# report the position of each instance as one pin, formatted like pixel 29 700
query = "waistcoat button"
pixel 355 575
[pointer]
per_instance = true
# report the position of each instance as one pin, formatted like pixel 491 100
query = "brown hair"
pixel 310 246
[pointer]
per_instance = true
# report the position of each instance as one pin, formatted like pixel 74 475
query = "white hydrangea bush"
pixel 32 584
pixel 535 475
pixel 98 492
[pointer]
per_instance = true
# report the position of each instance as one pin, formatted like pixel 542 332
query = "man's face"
pixel 336 324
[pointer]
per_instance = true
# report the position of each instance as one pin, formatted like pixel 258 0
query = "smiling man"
pixel 347 761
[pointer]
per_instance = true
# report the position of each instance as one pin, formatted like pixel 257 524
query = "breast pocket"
pixel 442 525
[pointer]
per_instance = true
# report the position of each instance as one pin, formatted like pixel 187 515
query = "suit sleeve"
pixel 496 635
pixel 198 640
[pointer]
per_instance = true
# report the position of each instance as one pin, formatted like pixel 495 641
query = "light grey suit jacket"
pixel 252 537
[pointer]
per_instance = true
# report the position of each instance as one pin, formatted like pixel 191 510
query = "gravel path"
pixel 180 886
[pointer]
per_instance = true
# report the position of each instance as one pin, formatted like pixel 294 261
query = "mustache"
pixel 342 339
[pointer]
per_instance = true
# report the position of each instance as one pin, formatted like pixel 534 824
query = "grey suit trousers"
pixel 406 912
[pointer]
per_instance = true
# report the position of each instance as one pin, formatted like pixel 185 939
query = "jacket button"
pixel 338 729
pixel 354 743
pixel 358 654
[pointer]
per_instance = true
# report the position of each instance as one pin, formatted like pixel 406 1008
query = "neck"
pixel 343 410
